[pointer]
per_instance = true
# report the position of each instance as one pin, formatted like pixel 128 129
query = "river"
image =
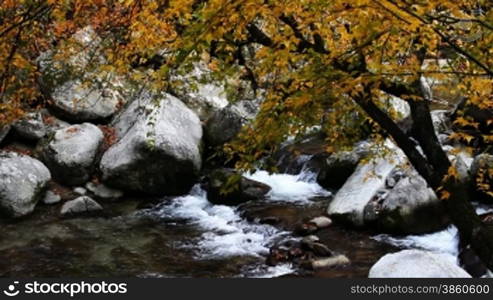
pixel 189 237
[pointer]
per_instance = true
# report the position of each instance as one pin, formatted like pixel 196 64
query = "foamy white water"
pixel 445 241
pixel 226 234
pixel 290 188
pixel 482 208
pixel 264 271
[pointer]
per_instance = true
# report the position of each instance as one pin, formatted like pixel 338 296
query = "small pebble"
pixel 310 239
pixel 80 190
pixel 321 222
pixel 79 206
pixel 325 263
pixel 51 198
pixel 103 192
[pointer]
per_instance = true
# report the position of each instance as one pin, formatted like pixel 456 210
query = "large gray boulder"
pixel 200 92
pixel 369 177
pixel 417 264
pixel 22 182
pixel 159 147
pixel 71 152
pixel 206 100
pixel 336 168
pixel 79 89
pixel 406 205
pixel 80 101
pixel 387 194
pixel 225 124
pixel 82 52
pixel 31 127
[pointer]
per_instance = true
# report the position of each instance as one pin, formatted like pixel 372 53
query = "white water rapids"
pixel 445 241
pixel 226 234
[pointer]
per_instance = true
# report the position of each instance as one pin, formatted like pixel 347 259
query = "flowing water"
pixel 176 237
pixel 444 242
pixel 190 237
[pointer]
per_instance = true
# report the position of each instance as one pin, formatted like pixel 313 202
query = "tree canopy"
pixel 306 56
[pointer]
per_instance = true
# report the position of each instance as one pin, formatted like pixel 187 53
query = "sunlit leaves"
pixel 296 65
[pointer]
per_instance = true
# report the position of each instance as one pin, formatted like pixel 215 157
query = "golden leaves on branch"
pixel 375 41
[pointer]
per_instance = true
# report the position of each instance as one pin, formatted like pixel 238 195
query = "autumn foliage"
pixel 329 63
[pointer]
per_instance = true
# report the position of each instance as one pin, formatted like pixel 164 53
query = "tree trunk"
pixel 471 229
pixel 433 166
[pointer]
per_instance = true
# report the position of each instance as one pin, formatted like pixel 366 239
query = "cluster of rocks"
pixel 386 194
pixel 155 145
pixel 307 252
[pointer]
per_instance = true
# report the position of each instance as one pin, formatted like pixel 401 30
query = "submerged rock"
pixel 71 152
pixel 80 206
pixel 310 239
pixel 306 154
pixel 318 249
pixel 471 263
pixel 416 264
pixel 246 189
pixel 159 147
pixel 22 182
pixel 305 229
